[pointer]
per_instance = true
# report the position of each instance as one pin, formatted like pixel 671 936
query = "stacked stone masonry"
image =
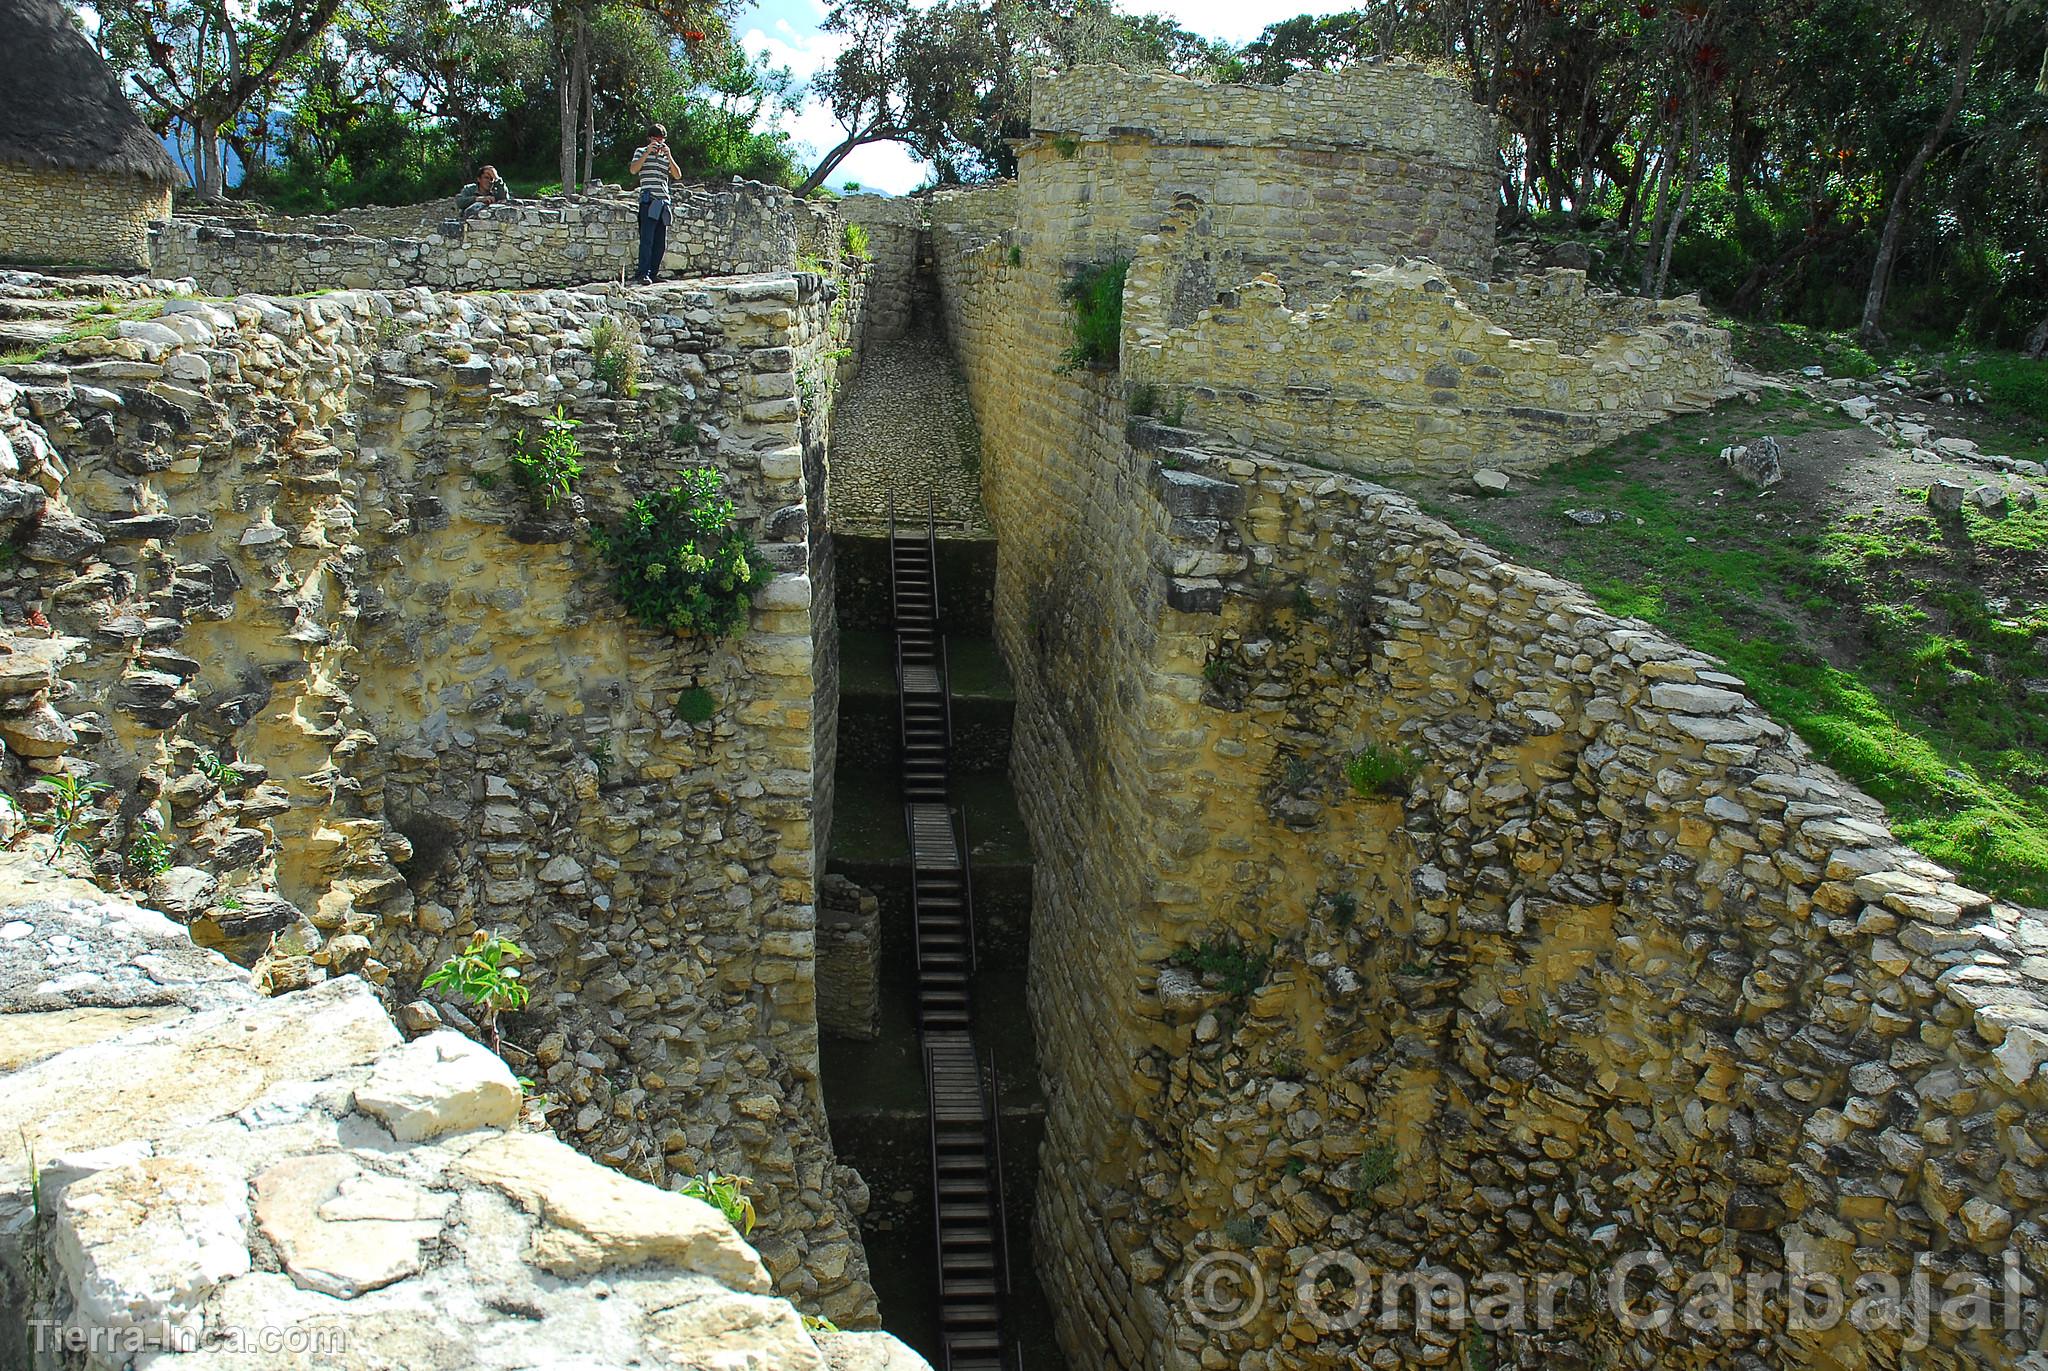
pixel 1405 372
pixel 1287 304
pixel 51 216
pixel 1620 969
pixel 286 1182
pixel 304 621
pixel 1299 177
pixel 740 229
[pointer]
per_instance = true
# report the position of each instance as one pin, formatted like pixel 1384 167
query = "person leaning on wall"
pixel 657 170
pixel 488 189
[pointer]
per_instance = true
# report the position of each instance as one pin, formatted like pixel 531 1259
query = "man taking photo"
pixel 657 170
pixel 488 189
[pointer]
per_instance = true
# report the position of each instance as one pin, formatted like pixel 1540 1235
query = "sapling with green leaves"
pixel 725 1193
pixel 218 770
pixel 482 974
pixel 72 806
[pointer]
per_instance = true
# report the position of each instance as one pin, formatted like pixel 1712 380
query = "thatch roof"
pixel 61 105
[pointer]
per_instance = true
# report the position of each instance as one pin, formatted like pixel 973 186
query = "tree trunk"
pixel 211 176
pixel 1692 182
pixel 1895 216
pixel 1649 276
pixel 2037 341
pixel 833 158
pixel 585 101
pixel 565 87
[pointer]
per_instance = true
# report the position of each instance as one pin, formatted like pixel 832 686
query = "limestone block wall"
pixel 281 535
pixel 322 1192
pixel 87 218
pixel 1406 372
pixel 1369 165
pixel 1620 971
pixel 894 226
pixel 534 243
pixel 1394 106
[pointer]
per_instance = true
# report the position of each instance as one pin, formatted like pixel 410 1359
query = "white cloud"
pixel 788 33
pixel 806 52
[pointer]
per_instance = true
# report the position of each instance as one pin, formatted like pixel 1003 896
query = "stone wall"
pixel 1406 371
pixel 286 1182
pixel 533 243
pixel 1393 107
pixel 849 960
pixel 77 218
pixel 1622 970
pixel 894 226
pixel 1369 165
pixel 281 536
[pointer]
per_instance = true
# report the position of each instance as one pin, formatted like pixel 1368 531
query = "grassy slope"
pixel 1897 645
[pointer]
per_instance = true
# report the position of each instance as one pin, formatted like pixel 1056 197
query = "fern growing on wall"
pixel 1096 294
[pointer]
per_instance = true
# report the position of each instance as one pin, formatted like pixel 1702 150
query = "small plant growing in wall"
pixel 222 773
pixel 1376 771
pixel 1096 295
pixel 1236 969
pixel 679 560
pixel 726 1194
pixel 612 359
pixel 1223 674
pixel 855 241
pixel 148 853
pixel 483 975
pixel 1376 1166
pixel 695 705
pixel 547 467
pixel 72 806
pixel 1067 146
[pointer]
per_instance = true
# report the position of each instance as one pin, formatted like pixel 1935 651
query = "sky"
pixel 787 30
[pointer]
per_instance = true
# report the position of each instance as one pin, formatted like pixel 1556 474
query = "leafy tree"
pixel 201 63
pixel 952 80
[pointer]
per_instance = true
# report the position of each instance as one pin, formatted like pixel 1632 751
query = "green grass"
pixel 1789 347
pixel 2010 383
pixel 97 320
pixel 1096 295
pixel 1896 644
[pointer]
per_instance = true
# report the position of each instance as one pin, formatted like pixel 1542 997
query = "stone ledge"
pixel 420 1254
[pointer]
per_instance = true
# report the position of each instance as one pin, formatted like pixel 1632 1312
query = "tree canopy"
pixel 1840 162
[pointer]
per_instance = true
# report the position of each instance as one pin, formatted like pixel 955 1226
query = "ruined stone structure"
pixel 1617 970
pixel 81 179
pixel 553 242
pixel 440 720
pixel 401 1215
pixel 1591 964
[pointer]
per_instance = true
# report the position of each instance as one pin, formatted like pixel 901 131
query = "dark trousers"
pixel 653 241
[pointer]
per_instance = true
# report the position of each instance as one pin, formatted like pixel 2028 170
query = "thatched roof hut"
pixel 61 106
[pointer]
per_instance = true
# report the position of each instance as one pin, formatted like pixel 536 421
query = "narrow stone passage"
pixel 875 1086
pixel 904 423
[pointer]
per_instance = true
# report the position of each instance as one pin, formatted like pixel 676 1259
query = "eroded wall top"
pixel 1390 107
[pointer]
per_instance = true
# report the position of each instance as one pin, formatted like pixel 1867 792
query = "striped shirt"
pixel 654 177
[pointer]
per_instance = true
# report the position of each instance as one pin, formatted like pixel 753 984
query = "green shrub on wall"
pixel 856 242
pixel 1096 294
pixel 679 561
pixel 548 467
